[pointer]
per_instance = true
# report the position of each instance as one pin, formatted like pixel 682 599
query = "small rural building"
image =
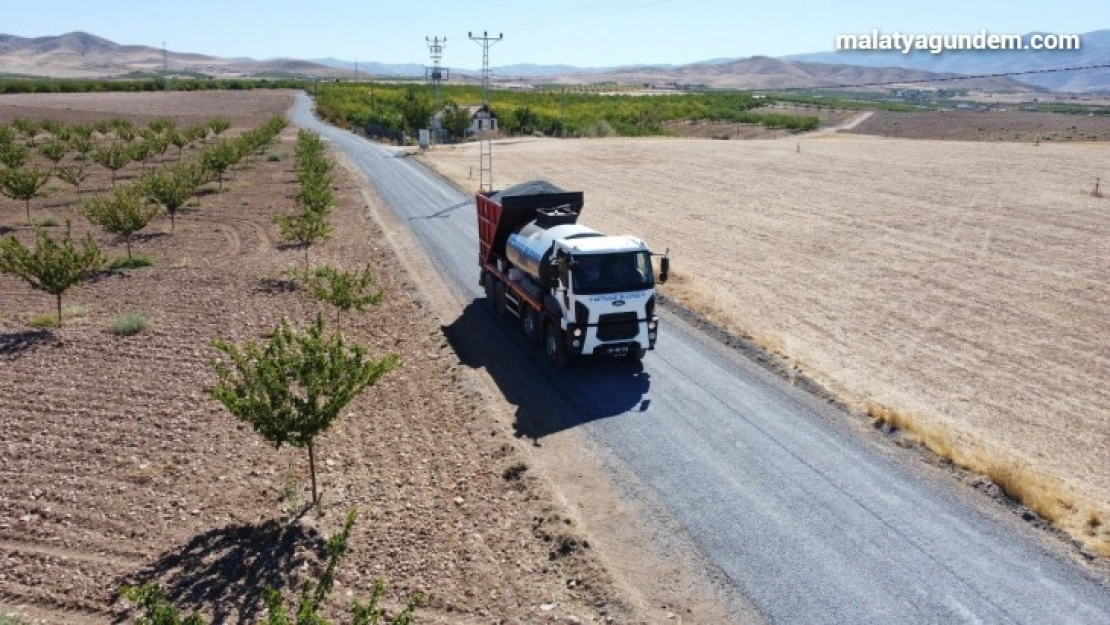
pixel 481 119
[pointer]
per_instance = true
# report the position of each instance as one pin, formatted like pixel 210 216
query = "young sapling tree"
pixel 53 266
pixel 218 125
pixel 169 186
pixel 346 291
pixel 23 184
pixel 294 387
pixel 304 230
pixel 217 160
pixel 73 174
pixel 113 157
pixel 54 151
pixel 13 155
pixel 123 213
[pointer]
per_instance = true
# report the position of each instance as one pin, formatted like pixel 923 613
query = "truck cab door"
pixel 563 262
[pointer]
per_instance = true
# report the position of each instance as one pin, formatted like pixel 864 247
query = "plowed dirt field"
pixel 116 467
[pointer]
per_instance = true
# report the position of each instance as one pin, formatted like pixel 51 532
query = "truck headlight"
pixel 577 332
pixel 652 324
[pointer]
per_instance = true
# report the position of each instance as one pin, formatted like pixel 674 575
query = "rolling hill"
pixel 1095 51
pixel 83 55
pixel 761 73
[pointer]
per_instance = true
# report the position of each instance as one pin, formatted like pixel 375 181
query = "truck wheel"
pixel 533 325
pixel 556 346
pixel 487 283
pixel 500 304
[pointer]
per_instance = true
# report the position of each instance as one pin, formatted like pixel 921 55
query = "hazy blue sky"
pixel 575 32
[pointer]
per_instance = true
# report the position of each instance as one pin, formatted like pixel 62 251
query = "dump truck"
pixel 577 291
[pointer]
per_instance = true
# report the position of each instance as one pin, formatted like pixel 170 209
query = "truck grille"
pixel 617 326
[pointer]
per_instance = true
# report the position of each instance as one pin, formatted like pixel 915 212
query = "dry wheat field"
pixel 958 290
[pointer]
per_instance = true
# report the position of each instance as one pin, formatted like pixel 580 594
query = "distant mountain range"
pixel 80 54
pixel 1095 51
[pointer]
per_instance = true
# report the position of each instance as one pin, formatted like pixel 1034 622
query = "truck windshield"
pixel 612 273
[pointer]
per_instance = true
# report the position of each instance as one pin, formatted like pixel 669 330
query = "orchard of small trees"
pixel 289 388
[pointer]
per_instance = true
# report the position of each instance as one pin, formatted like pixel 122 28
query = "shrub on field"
pixel 598 129
pixel 138 261
pixel 130 324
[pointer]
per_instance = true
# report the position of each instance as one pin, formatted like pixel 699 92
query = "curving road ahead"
pixel 808 521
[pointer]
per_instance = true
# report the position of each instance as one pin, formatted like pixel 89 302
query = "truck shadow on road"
pixel 548 400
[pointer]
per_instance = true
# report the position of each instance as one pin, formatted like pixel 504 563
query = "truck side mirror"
pixel 664 269
pixel 563 270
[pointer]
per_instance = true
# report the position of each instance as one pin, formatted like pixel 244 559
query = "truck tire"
pixel 532 321
pixel 500 303
pixel 556 346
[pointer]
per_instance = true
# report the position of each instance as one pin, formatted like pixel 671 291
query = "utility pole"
pixel 485 131
pixel 437 74
pixel 356 70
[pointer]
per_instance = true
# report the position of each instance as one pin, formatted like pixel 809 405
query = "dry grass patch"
pixel 70 313
pixel 1050 499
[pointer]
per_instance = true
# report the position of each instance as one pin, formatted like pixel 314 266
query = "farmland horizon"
pixel 1007 63
pixel 583 35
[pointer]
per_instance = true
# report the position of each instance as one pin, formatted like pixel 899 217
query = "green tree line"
pixel 406 108
pixel 154 83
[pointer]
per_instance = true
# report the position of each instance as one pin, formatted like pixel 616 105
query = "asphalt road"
pixel 796 510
